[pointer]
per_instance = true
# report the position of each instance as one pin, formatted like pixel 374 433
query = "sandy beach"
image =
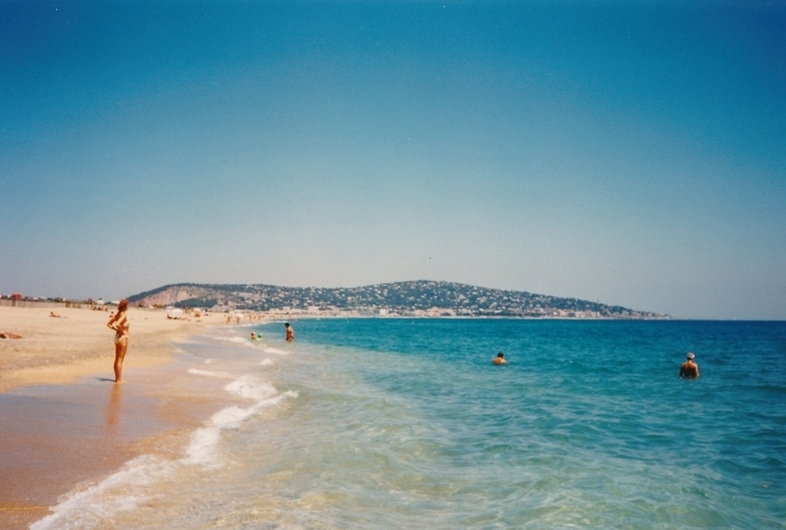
pixel 56 350
pixel 63 420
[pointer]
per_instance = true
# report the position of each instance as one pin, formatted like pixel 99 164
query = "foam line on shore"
pixel 204 441
pixel 210 373
pixel 127 488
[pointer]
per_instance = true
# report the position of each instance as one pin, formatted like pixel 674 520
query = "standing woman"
pixel 119 323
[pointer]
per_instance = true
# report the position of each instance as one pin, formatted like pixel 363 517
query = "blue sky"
pixel 632 153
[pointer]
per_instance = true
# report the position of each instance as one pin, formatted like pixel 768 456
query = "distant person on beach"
pixel 119 323
pixel 500 359
pixel 254 336
pixel 689 369
pixel 290 332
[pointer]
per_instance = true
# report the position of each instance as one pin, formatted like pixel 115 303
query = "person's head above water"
pixel 500 355
pixel 691 356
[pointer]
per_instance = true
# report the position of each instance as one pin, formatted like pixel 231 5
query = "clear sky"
pixel 632 153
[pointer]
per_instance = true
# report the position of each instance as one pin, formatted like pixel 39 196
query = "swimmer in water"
pixel 290 332
pixel 499 359
pixel 689 369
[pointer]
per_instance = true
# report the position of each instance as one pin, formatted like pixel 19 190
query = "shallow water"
pixel 396 423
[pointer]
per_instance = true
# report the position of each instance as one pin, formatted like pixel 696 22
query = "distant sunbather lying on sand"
pixel 9 335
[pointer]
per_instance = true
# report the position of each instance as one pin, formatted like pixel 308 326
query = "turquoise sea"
pixel 401 423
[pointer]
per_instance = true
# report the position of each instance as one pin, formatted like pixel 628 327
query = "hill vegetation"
pixel 414 298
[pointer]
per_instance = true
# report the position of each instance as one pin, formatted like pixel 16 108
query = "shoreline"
pixel 64 421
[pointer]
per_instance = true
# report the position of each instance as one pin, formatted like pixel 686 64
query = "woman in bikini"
pixel 119 323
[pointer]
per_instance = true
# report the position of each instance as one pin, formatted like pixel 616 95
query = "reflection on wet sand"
pixel 113 409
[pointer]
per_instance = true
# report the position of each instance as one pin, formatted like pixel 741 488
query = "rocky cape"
pixel 414 298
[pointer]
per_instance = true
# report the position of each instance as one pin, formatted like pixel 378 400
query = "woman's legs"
pixel 120 352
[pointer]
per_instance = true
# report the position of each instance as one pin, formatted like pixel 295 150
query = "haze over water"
pixel 375 423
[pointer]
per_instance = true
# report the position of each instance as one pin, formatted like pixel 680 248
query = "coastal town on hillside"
pixel 399 299
pixel 402 299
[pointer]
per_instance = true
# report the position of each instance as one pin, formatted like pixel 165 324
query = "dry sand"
pixel 55 435
pixel 59 350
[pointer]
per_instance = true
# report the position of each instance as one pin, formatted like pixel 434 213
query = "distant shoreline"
pixel 282 314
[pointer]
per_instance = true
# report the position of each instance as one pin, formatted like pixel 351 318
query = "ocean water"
pixel 398 423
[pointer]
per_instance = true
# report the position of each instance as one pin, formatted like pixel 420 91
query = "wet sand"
pixel 55 436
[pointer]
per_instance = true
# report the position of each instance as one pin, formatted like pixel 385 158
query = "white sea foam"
pixel 251 387
pixel 203 447
pixel 243 341
pixel 266 362
pixel 119 492
pixel 276 351
pixel 210 373
pixel 128 488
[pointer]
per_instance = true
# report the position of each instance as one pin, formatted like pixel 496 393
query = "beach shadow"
pixel 105 379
